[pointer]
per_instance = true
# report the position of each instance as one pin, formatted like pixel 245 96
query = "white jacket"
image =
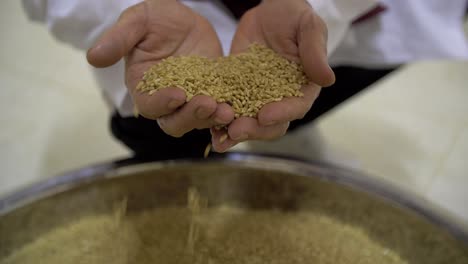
pixel 409 30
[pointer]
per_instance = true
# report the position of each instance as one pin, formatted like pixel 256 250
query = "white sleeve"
pixel 339 15
pixel 81 22
pixel 76 22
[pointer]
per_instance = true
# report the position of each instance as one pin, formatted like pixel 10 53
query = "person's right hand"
pixel 149 32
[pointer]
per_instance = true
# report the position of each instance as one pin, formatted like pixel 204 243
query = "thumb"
pixel 313 50
pixel 120 38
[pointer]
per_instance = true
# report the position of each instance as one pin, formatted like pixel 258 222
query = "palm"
pixel 172 30
pixel 269 26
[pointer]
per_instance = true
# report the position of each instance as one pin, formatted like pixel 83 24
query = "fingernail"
pixel 271 123
pixel 160 122
pixel 226 148
pixel 173 104
pixel 242 137
pixel 95 48
pixel 202 113
pixel 220 121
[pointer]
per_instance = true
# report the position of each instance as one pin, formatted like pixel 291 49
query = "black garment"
pixel 239 7
pixel 149 142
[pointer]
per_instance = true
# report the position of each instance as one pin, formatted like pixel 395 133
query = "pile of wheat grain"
pixel 246 81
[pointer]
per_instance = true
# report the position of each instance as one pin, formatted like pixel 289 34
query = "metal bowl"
pixel 418 231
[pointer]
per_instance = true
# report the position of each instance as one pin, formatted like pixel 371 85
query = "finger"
pixel 220 141
pixel 193 115
pixel 224 115
pixel 120 38
pixel 185 120
pixel 290 108
pixel 246 128
pixel 160 103
pixel 312 39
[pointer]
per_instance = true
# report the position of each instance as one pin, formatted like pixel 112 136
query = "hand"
pixel 292 29
pixel 149 32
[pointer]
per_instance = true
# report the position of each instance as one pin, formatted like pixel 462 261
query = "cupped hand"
pixel 145 34
pixel 293 30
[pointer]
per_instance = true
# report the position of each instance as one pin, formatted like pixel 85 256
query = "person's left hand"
pixel 292 29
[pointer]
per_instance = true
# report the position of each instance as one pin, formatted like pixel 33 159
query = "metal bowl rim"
pixel 328 172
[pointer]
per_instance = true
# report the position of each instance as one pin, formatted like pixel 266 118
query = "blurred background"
pixel 410 129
